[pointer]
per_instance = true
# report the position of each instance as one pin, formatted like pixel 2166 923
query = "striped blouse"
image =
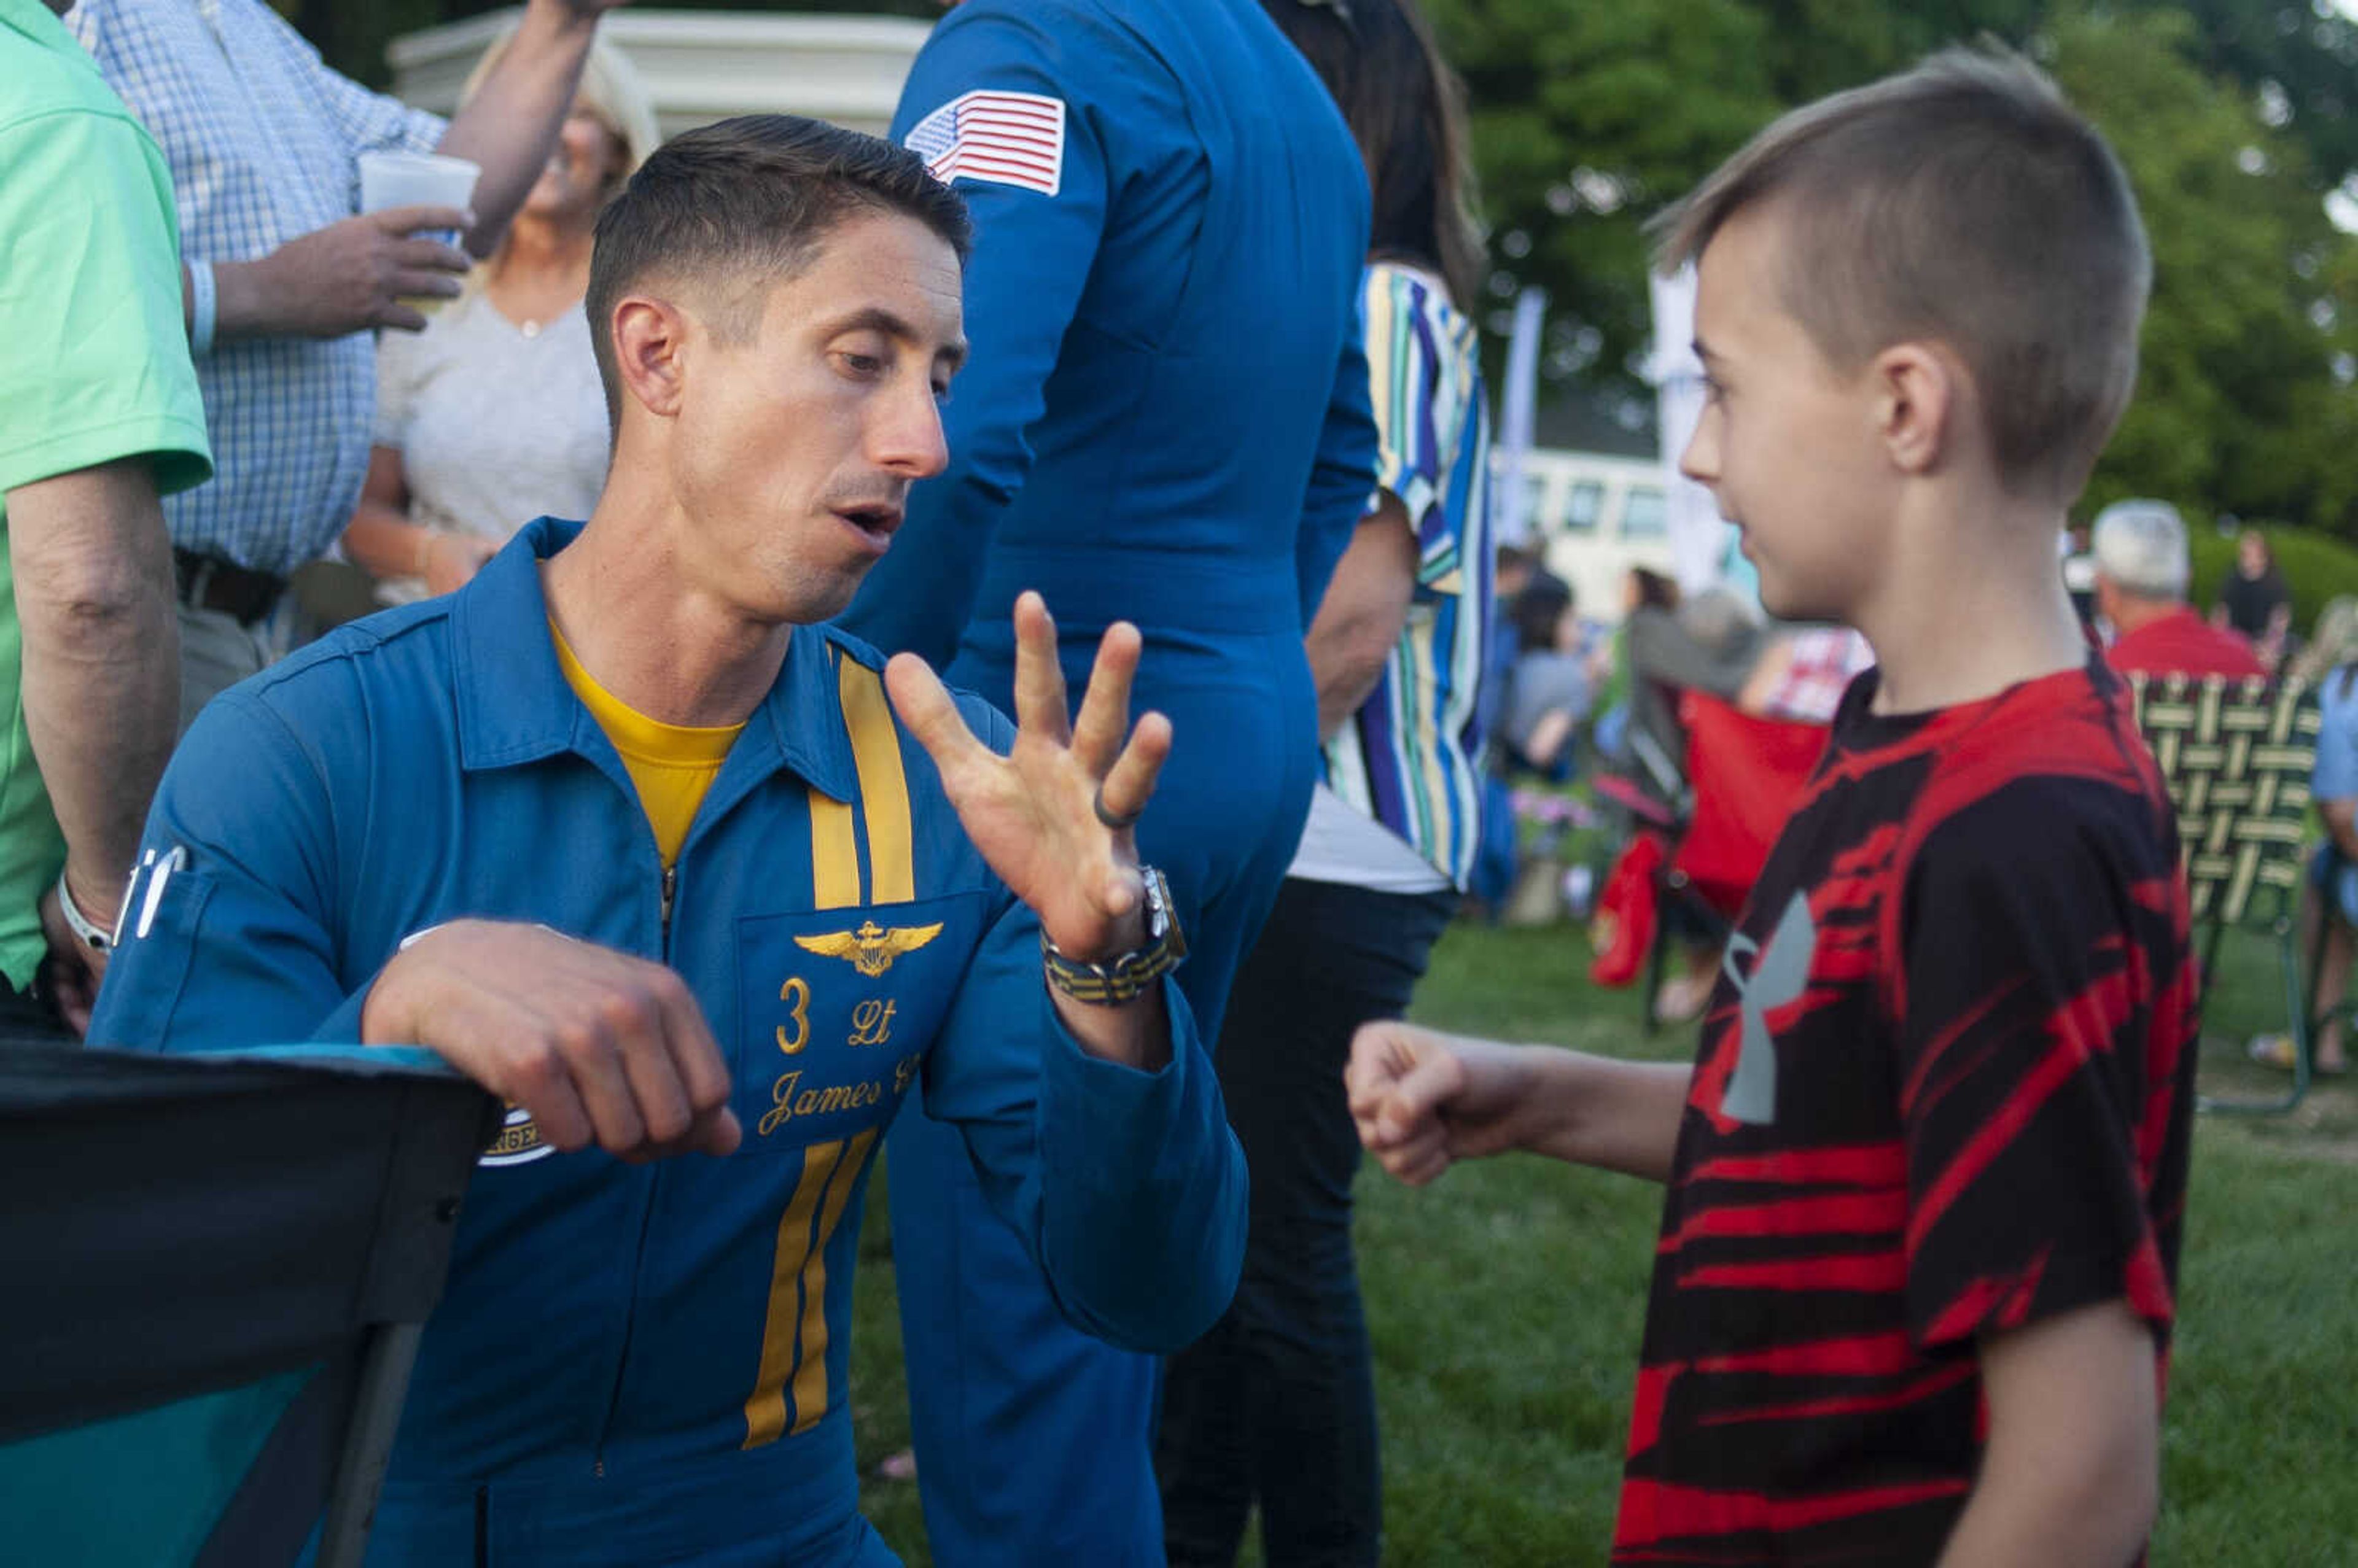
pixel 1408 758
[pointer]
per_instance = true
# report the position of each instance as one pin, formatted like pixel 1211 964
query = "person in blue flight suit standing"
pixel 1165 418
pixel 628 838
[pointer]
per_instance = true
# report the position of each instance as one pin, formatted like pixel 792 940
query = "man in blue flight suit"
pixel 1165 420
pixel 629 839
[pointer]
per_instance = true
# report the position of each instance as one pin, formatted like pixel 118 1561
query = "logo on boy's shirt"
pixel 1779 977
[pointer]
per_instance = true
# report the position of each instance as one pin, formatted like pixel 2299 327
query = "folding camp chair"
pixel 220 1265
pixel 2236 756
pixel 1744 777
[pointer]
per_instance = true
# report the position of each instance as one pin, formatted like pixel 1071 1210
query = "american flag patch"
pixel 1011 139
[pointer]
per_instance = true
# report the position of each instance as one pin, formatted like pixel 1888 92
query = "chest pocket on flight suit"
pixel 837 1007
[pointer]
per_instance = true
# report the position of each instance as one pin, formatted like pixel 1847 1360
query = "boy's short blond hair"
pixel 1966 202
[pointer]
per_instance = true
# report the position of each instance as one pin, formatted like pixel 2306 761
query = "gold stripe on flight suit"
pixel 835 853
pixel 810 1373
pixel 798 1277
pixel 765 1410
pixel 883 786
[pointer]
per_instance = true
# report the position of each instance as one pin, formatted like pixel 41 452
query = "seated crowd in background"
pixel 2143 568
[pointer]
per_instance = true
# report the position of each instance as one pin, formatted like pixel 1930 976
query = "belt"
pixel 207 582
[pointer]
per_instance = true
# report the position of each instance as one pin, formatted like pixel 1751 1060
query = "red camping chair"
pixel 1744 777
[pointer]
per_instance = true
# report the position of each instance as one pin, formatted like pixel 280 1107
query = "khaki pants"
pixel 216 652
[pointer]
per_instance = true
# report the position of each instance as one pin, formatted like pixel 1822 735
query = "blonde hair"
pixel 2333 645
pixel 1963 201
pixel 610 89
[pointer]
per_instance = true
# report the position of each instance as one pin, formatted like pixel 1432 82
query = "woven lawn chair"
pixel 2236 756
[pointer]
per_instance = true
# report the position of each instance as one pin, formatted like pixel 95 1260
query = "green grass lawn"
pixel 1506 1305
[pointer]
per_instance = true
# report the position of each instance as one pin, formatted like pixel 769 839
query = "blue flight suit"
pixel 1164 418
pixel 644 1363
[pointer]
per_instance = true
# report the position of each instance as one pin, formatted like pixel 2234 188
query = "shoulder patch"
pixel 1006 138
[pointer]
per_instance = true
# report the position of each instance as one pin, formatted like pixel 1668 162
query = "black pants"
pixel 29 1017
pixel 1277 1405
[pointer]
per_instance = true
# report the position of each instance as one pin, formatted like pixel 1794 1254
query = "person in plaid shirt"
pixel 285 282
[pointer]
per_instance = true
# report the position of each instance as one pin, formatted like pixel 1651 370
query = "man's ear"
pixel 1920 391
pixel 650 342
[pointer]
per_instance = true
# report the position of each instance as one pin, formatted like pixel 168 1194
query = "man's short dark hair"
pixel 734 208
pixel 1963 201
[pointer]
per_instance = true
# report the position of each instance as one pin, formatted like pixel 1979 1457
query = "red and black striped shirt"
pixel 1944 1090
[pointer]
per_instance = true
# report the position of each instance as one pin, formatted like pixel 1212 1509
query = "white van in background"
pixel 1594 517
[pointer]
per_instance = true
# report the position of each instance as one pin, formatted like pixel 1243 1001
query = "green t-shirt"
pixel 94 362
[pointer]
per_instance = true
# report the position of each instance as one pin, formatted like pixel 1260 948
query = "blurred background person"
pixel 285 283
pixel 2333 894
pixel 2329 662
pixel 2254 602
pixel 492 416
pixel 1672 643
pixel 101 414
pixel 2333 643
pixel 1516 568
pixel 1276 1406
pixel 1551 686
pixel 2142 571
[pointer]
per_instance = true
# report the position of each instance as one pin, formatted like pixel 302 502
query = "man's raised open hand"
pixel 1034 813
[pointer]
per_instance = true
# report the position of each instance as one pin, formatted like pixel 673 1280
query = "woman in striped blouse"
pixel 1276 1406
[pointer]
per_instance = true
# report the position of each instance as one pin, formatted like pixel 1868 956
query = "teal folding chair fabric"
pixel 220 1263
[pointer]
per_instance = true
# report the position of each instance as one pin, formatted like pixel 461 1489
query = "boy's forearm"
pixel 1615 1115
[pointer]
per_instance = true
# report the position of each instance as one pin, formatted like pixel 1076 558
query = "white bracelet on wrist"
pixel 97 938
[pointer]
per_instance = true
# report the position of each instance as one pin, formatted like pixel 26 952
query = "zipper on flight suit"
pixel 638 1255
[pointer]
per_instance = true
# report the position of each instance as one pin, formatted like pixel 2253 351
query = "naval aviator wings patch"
pixel 871 949
pixel 1006 138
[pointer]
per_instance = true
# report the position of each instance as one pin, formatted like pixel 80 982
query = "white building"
pixel 701 65
pixel 1593 516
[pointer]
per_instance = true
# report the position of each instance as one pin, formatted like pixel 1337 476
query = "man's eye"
pixel 941 393
pixel 862 364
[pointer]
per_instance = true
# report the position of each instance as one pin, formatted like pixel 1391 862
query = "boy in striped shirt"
pixel 1913 1293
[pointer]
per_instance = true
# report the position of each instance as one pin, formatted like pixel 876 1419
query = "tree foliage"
pixel 2232 117
pixel 2238 407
